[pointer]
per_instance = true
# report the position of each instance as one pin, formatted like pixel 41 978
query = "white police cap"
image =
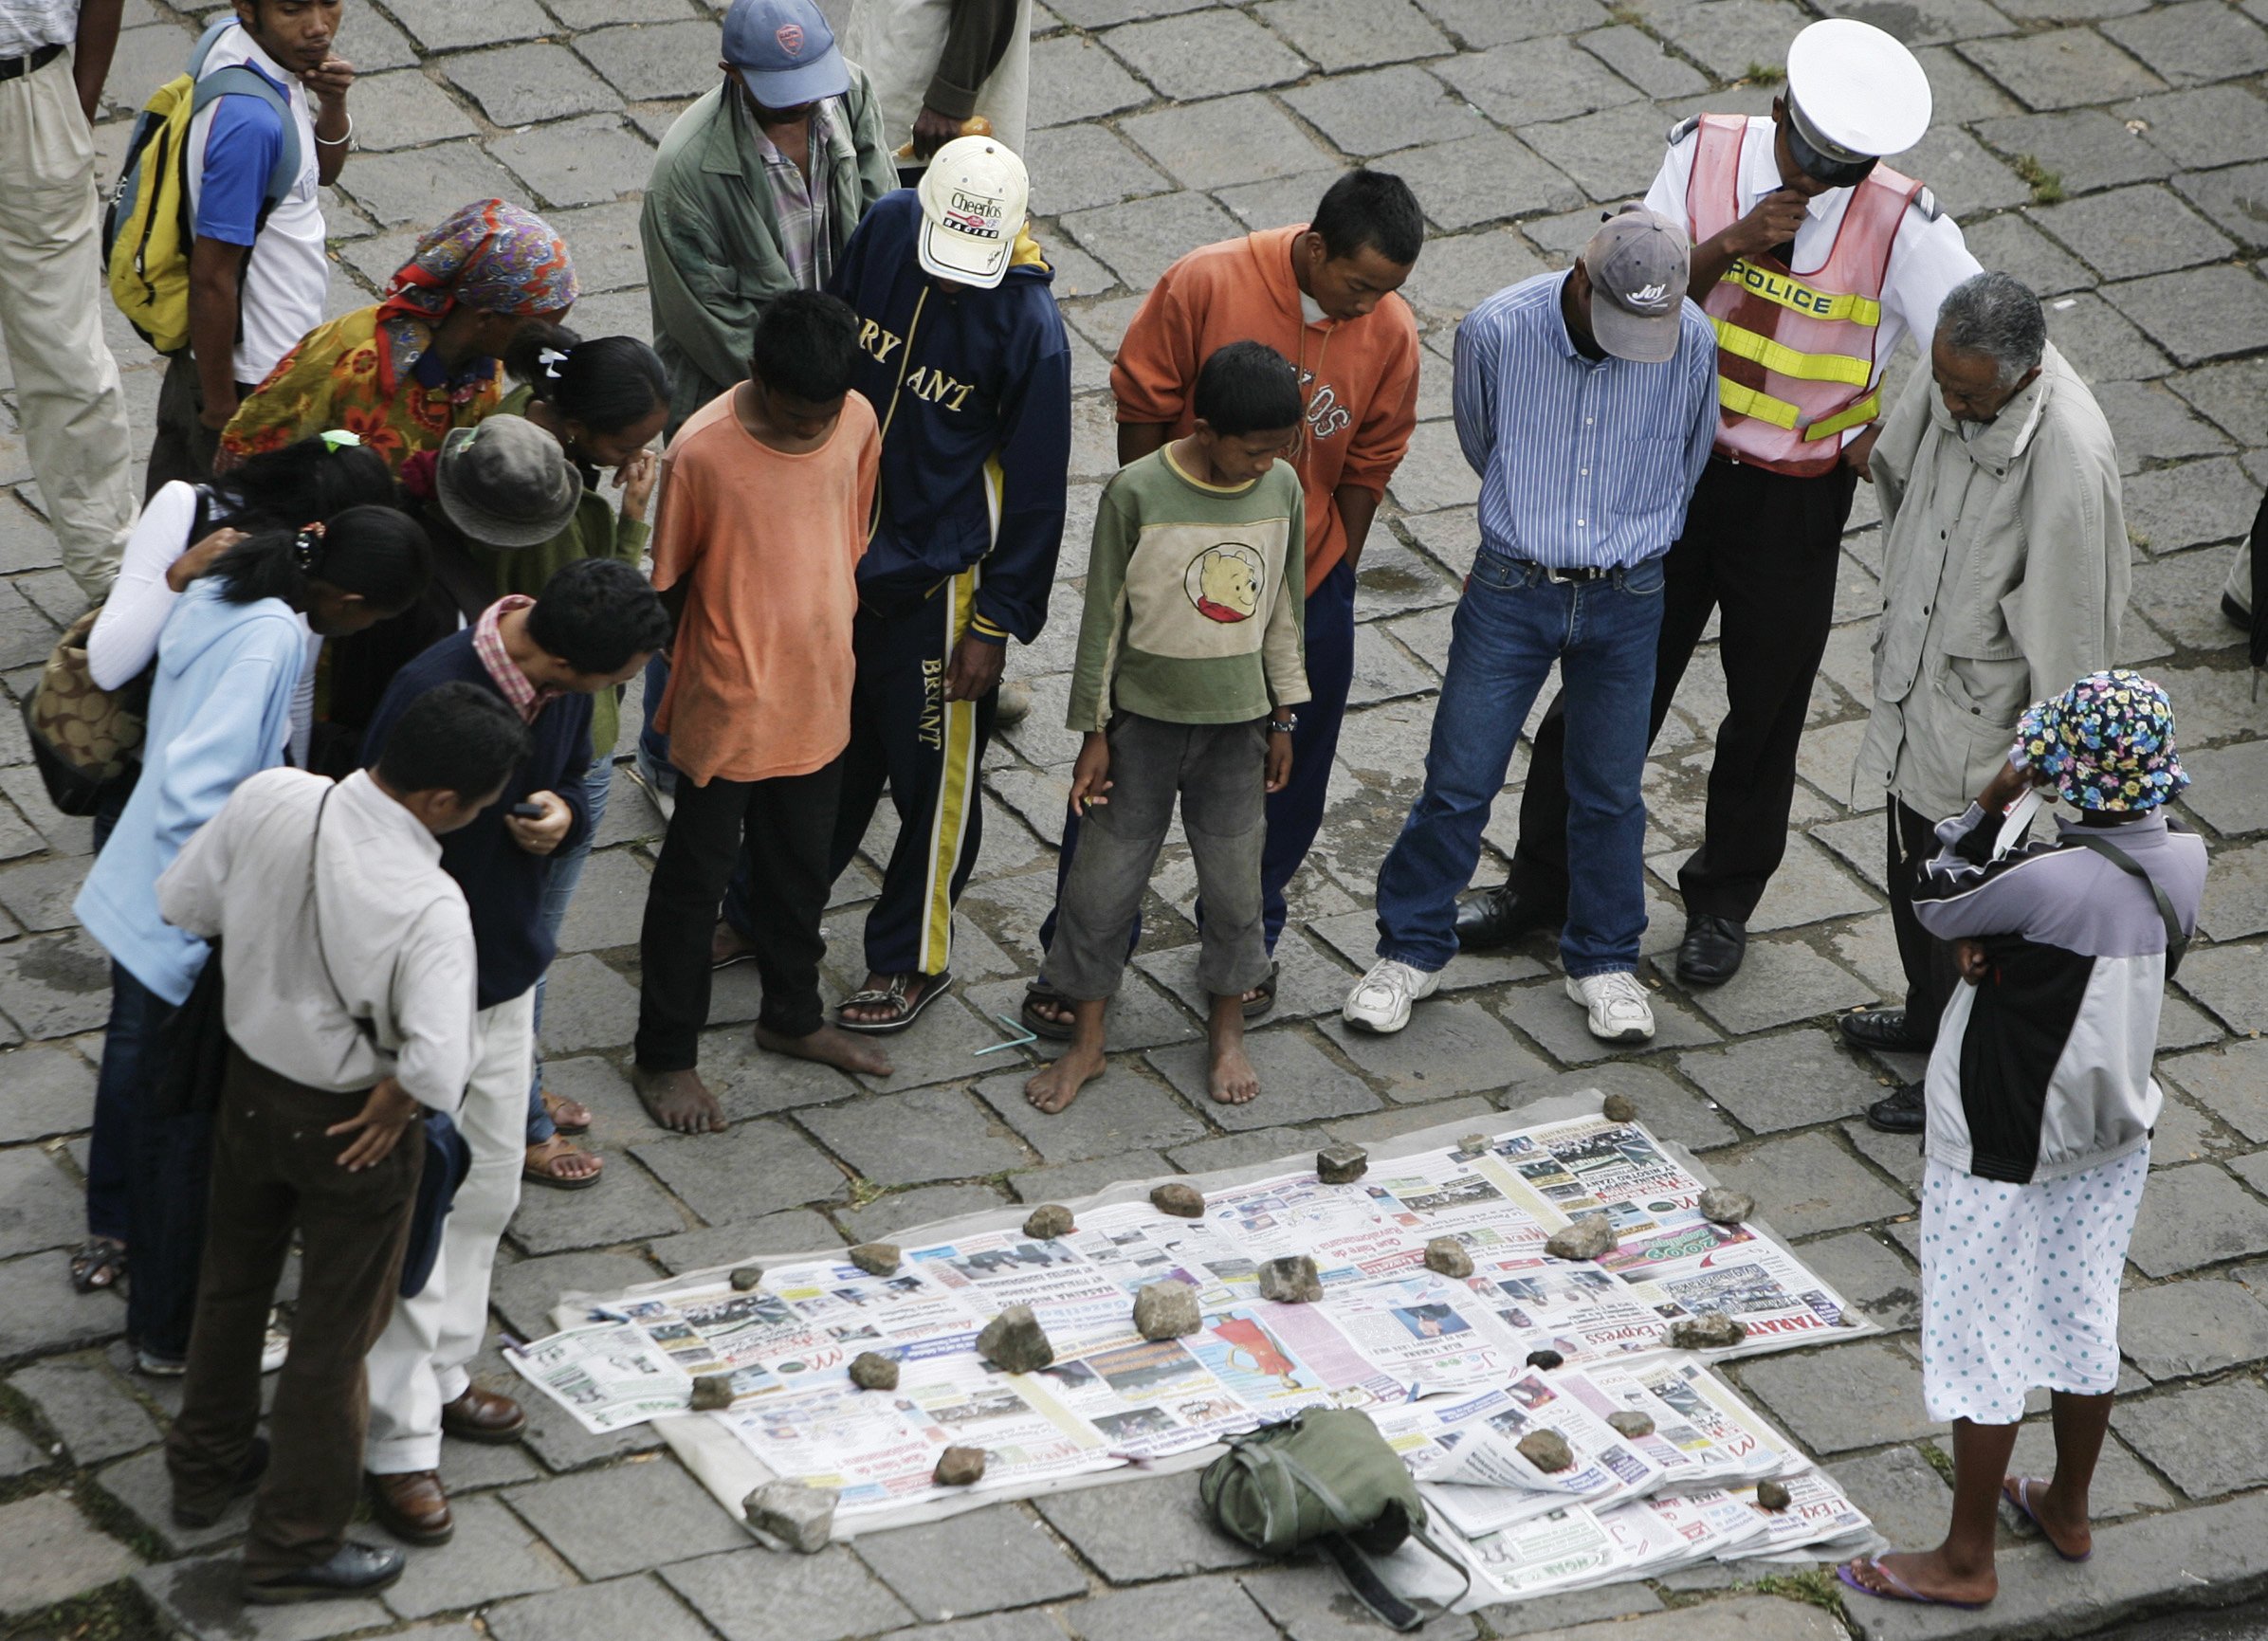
pixel 1855 92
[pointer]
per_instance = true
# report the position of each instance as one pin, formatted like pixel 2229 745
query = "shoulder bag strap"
pixel 315 909
pixel 1369 1589
pixel 2177 942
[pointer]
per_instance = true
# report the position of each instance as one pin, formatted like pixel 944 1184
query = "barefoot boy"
pixel 1189 665
pixel 765 495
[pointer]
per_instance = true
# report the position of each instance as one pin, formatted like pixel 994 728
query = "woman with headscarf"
pixel 2041 1106
pixel 426 358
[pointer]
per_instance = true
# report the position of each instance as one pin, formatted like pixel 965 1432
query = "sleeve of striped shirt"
pixel 1702 372
pixel 1473 387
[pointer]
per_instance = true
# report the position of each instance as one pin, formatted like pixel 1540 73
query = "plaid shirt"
pixel 800 200
pixel 488 644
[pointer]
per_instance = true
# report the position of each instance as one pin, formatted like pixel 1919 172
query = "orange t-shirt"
pixel 760 668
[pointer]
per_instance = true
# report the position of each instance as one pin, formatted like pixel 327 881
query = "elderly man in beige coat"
pixel 2005 578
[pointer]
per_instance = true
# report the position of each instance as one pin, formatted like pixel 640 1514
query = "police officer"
pixel 1812 258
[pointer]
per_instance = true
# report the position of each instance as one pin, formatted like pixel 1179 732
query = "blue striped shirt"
pixel 1582 464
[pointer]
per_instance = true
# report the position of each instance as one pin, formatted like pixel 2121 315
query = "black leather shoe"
pixel 1498 917
pixel 246 1480
pixel 1712 951
pixel 357 1569
pixel 1903 1112
pixel 1885 1030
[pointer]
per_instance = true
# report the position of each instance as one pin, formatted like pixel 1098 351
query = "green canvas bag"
pixel 1325 1478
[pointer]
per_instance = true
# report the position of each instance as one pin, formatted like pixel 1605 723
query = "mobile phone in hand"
pixel 526 811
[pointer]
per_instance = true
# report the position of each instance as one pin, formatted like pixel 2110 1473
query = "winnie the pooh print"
pixel 1224 583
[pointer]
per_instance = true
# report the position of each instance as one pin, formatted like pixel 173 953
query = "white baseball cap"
pixel 976 198
pixel 1857 92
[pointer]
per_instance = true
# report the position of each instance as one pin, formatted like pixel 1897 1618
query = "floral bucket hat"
pixel 2107 742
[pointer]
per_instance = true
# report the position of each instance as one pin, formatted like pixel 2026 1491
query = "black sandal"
pixel 932 986
pixel 1041 1025
pixel 98 1263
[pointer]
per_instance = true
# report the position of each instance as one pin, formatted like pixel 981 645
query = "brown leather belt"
pixel 16 67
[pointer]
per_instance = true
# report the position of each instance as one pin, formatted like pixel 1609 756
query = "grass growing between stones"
pixel 1813 1587
pixel 1764 74
pixel 115 1612
pixel 1940 1460
pixel 2047 186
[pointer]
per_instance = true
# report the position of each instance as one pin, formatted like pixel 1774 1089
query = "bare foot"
pixel 2064 1527
pixel 567 1116
pixel 1055 1087
pixel 828 1045
pixel 1926 1573
pixel 561 1162
pixel 1233 1081
pixel 727 947
pixel 678 1101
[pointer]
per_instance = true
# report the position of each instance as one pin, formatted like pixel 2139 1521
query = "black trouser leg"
pixel 790 823
pixel 1928 961
pixel 680 911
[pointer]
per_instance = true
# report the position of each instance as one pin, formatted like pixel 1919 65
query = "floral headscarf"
pixel 2107 742
pixel 489 255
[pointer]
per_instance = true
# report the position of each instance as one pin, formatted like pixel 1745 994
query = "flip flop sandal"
pixel 1899 1590
pixel 552 1103
pixel 1265 1001
pixel 894 994
pixel 1041 1025
pixel 2018 1491
pixel 536 1169
pixel 98 1263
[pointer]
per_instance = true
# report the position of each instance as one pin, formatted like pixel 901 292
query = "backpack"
pixel 146 228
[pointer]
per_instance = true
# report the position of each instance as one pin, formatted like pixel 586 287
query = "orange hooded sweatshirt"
pixel 1360 375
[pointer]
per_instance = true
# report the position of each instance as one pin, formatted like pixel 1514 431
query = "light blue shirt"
pixel 1583 464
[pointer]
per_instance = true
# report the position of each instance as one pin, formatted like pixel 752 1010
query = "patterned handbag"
pixel 84 737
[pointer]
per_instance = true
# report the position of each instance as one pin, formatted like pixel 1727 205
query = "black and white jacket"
pixel 2042 1068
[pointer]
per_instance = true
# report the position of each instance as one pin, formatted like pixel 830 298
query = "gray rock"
pixel 1772 1495
pixel 1291 1280
pixel 875 1258
pixel 800 1517
pixel 711 1391
pixel 1547 1451
pixel 872 1371
pixel 1341 1164
pixel 1015 1342
pixel 746 1278
pixel 959 1468
pixel 1167 1310
pixel 1181 1201
pixel 1049 1221
pixel 1618 1108
pixel 1473 1142
pixel 1447 1255
pixel 1547 1359
pixel 1587 1238
pixel 1726 1207
pixel 1710 1330
pixel 1631 1423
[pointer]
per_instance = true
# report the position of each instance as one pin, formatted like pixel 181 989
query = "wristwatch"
pixel 1283 725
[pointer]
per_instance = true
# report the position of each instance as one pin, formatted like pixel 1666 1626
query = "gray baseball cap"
pixel 1639 263
pixel 506 483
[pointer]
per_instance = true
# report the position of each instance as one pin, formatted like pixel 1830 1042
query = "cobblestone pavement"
pixel 2111 153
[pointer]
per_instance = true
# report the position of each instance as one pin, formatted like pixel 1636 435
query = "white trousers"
pixel 52 286
pixel 418 1363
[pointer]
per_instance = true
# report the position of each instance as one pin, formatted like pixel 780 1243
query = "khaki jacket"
pixel 712 242
pixel 2005 580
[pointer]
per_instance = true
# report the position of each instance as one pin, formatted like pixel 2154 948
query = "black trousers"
pixel 788 822
pixel 1763 548
pixel 1930 975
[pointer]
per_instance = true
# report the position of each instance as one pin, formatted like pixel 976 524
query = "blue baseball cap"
pixel 784 53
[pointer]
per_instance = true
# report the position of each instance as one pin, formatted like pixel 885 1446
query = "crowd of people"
pixel 375 563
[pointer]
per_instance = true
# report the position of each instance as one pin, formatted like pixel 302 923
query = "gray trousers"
pixel 1219 771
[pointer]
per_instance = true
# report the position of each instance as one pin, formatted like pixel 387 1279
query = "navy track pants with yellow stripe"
pixel 928 752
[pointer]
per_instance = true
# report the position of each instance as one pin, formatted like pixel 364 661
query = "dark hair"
pixel 608 384
pixel 596 613
pixel 377 552
pixel 806 344
pixel 457 737
pixel 1247 388
pixel 304 482
pixel 1374 209
pixel 522 358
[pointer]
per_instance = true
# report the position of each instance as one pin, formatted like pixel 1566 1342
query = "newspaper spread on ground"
pixel 1455 1372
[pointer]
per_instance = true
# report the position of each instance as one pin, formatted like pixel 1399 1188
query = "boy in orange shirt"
pixel 765 494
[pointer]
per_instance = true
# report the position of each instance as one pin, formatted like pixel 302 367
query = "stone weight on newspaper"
pixel 1181 1201
pixel 1049 1221
pixel 1547 1359
pixel 745 1279
pixel 875 1258
pixel 1587 1238
pixel 1772 1495
pixel 800 1517
pixel 1015 1342
pixel 1628 1422
pixel 1167 1310
pixel 1341 1164
pixel 1710 1330
pixel 1291 1280
pixel 711 1391
pixel 1547 1451
pixel 1447 1255
pixel 1618 1108
pixel 959 1468
pixel 1726 1207
pixel 1473 1142
pixel 872 1371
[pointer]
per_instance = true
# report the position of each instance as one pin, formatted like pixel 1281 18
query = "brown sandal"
pixel 555 1103
pixel 537 1169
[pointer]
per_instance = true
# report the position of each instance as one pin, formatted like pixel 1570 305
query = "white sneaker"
pixel 1619 1010
pixel 1380 1001
pixel 276 1345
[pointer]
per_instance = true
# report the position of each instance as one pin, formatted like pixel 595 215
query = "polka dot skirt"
pixel 2020 1285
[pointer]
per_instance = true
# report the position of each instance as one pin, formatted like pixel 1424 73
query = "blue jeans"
pixel 1510 625
pixel 559 892
pixel 169 1161
pixel 111 1143
pixel 653 746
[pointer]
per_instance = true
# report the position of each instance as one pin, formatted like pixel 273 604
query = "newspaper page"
pixel 1149 1398
pixel 1580 1311
pixel 609 1376
pixel 1422 1331
pixel 1484 1482
pixel 989 1271
pixel 1818 1512
pixel 1565 1549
